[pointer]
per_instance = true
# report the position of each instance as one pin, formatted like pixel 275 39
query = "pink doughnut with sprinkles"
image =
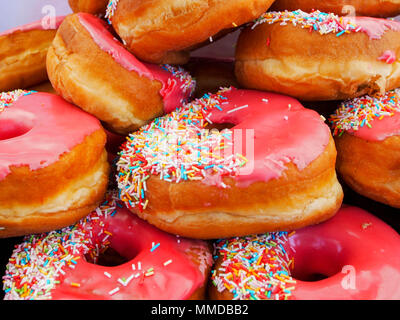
pixel 352 256
pixel 86 60
pixel 319 56
pixel 233 163
pixel 63 264
pixel 367 135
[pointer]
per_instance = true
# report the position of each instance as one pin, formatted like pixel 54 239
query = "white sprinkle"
pixel 107 274
pixel 113 291
pixel 167 262
pixel 238 108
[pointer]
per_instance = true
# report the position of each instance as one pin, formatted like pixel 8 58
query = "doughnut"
pixel 372 8
pixel 187 173
pixel 319 56
pixel 211 74
pixel 53 165
pixel 367 136
pixel 65 264
pixel 23 54
pixel 352 256
pixel 163 31
pixel 89 6
pixel 85 61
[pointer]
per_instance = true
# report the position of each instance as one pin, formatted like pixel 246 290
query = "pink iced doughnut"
pixel 61 264
pixel 354 255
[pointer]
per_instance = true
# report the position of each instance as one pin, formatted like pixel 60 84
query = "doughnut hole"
pixel 316 258
pixel 15 124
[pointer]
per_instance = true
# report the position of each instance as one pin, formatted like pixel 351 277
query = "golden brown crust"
pixel 23 58
pixel 371 168
pixel 296 199
pixel 30 201
pixel 211 74
pixel 76 64
pixel 89 6
pixel 155 29
pixel 373 8
pixel 311 66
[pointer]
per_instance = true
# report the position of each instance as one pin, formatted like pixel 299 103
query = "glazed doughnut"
pixel 273 170
pixel 63 264
pixel 367 136
pixel 89 6
pixel 53 165
pixel 373 8
pixel 85 61
pixel 211 74
pixel 163 31
pixel 319 56
pixel 352 256
pixel 23 54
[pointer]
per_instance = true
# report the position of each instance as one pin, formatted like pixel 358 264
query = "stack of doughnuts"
pixel 142 171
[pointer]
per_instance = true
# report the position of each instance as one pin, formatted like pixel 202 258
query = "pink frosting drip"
pixel 388 56
pixel 171 92
pixel 284 131
pixel 38 128
pixel 374 27
pixel 134 238
pixel 37 25
pixel 381 129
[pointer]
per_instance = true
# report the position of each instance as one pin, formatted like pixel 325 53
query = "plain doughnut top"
pixel 37 128
pixel 269 131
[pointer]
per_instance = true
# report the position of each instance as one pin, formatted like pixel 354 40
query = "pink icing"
pixel 381 129
pixel 388 56
pixel 374 27
pixel 353 240
pixel 38 128
pixel 37 25
pixel 284 131
pixel 134 238
pixel 171 91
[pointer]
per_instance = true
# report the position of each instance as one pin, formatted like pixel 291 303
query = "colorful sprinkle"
pixel 323 23
pixel 359 112
pixel 176 147
pixel 256 267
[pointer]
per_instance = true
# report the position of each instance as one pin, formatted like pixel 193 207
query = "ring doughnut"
pixel 372 8
pixel 177 26
pixel 155 265
pixel 367 136
pixel 53 165
pixel 23 54
pixel 319 56
pixel 352 256
pixel 187 180
pixel 89 6
pixel 85 61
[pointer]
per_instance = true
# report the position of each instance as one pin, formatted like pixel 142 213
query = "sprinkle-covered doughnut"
pixel 319 56
pixel 351 256
pixel 62 264
pixel 366 131
pixel 180 175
